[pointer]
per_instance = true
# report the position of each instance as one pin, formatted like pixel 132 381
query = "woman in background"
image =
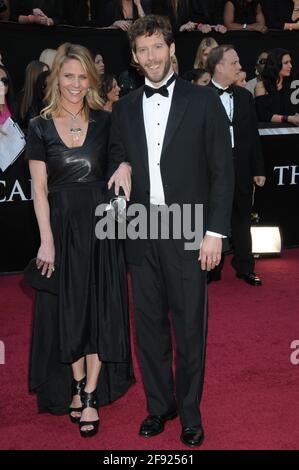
pixel 109 91
pixel 244 15
pixel 198 77
pixel 259 67
pixel 99 64
pixel 47 57
pixel 183 14
pixel 6 104
pixel 273 93
pixel 25 96
pixel 203 50
pixel 121 13
pixel 282 15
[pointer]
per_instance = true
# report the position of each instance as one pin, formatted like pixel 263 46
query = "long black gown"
pixel 90 313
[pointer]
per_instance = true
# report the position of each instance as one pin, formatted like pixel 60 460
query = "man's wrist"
pixel 215 234
pixel 127 164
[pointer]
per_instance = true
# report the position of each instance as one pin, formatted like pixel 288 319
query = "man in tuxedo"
pixel 224 66
pixel 175 138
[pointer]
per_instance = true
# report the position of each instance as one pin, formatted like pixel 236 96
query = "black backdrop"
pixel 20 44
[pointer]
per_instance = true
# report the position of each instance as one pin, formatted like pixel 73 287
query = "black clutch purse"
pixel 35 279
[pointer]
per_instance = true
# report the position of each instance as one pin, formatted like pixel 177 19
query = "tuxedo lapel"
pixel 176 113
pixel 236 105
pixel 211 85
pixel 137 122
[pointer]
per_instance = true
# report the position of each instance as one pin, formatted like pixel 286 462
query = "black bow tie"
pixel 228 90
pixel 163 90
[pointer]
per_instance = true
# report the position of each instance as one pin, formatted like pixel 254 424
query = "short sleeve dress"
pixel 90 313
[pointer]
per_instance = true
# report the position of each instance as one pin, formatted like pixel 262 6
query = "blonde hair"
pixel 47 56
pixel 65 53
pixel 205 43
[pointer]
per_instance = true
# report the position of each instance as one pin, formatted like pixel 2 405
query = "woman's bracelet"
pixel 30 19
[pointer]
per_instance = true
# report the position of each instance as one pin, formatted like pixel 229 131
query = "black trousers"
pixel 165 281
pixel 243 261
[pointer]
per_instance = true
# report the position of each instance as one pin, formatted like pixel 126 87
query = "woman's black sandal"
pixel 77 389
pixel 89 400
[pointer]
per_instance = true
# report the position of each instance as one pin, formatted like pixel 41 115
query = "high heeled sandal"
pixel 77 389
pixel 89 400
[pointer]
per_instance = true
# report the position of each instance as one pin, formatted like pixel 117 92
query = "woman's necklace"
pixel 75 131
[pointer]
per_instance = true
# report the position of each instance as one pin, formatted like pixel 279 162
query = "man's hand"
pixel 121 178
pixel 259 180
pixel 210 252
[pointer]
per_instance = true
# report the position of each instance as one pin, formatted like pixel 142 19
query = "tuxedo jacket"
pixel 247 152
pixel 196 159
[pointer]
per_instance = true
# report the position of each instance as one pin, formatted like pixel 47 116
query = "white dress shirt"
pixel 227 101
pixel 155 114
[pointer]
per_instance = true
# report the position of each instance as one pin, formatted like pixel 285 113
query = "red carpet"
pixel 251 394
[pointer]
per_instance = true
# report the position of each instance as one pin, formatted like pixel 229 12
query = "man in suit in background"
pixel 175 138
pixel 224 66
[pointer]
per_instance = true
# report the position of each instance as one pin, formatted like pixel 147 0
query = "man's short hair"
pixel 149 25
pixel 216 56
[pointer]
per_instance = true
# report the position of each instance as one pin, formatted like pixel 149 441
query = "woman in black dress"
pixel 273 93
pixel 81 346
pixel 121 13
pixel 184 15
pixel 282 15
pixel 42 12
pixel 244 15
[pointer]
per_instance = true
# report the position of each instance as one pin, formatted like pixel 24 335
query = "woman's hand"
pixel 38 12
pixel 190 26
pixel 220 28
pixel 259 28
pixel 204 28
pixel 122 24
pixel 45 258
pixel 294 119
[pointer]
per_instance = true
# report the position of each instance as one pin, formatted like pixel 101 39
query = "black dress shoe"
pixel 192 436
pixel 250 278
pixel 154 424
